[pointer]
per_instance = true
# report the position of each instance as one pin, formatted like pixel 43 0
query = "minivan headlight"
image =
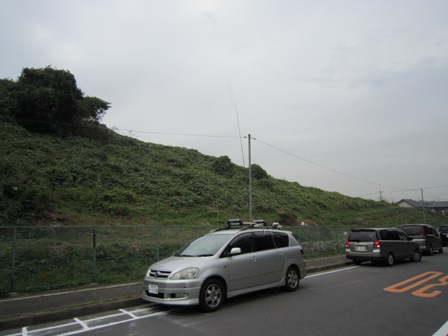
pixel 185 274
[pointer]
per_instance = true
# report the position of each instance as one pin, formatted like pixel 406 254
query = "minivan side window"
pixel 403 236
pixel 389 235
pixel 263 241
pixel 244 242
pixel 281 239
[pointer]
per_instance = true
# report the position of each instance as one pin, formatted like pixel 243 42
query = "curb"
pixel 67 313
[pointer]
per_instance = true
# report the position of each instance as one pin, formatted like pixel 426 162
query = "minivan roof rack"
pixel 256 224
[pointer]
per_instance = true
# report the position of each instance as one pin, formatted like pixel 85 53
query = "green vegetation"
pixel 62 167
pixel 48 180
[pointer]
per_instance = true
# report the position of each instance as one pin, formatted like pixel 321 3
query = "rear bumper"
pixel 371 256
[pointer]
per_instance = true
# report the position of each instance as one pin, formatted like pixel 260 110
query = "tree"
pixel 49 101
pixel 223 166
pixel 92 109
pixel 7 104
pixel 258 172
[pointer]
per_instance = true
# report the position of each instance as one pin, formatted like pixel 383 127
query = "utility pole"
pixel 423 203
pixel 250 182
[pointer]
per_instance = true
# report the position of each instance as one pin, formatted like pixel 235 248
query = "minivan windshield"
pixel 204 246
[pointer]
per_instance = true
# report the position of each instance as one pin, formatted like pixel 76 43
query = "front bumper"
pixel 173 292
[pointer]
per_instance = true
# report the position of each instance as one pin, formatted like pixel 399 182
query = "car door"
pixel 432 237
pixel 271 260
pixel 407 246
pixel 390 243
pixel 243 268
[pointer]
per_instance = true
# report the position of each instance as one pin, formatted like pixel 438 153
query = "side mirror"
pixel 235 251
pixel 410 238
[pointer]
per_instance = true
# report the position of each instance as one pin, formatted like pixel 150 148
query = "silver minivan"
pixel 425 235
pixel 226 263
pixel 380 245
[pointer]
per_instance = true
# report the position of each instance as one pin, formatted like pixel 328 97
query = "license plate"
pixel 360 248
pixel 153 289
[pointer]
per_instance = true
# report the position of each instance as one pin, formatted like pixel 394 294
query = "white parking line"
pixel 442 331
pixel 80 325
pixel 128 313
pixel 83 325
pixel 329 272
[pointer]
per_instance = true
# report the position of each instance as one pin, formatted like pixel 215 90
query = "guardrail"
pixel 38 258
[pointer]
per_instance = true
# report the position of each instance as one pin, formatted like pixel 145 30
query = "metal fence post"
pixel 94 257
pixel 158 243
pixel 13 258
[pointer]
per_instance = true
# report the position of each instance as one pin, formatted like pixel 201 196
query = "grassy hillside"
pixel 116 180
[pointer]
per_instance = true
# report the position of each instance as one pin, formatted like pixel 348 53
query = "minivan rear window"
pixel 362 236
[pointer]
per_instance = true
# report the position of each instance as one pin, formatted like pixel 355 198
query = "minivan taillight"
pixel 347 244
pixel 376 244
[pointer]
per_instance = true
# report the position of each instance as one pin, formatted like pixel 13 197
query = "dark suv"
pixel 425 235
pixel 380 245
pixel 443 230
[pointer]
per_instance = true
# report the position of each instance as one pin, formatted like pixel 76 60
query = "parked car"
pixel 380 245
pixel 425 235
pixel 242 258
pixel 443 231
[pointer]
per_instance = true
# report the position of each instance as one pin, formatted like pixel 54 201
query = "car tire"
pixel 417 256
pixel 211 296
pixel 357 262
pixel 390 260
pixel 441 249
pixel 292 279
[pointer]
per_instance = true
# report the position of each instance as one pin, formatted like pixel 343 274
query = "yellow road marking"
pixel 419 280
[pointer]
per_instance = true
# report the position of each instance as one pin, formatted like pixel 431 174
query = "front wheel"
pixel 211 296
pixel 292 279
pixel 417 256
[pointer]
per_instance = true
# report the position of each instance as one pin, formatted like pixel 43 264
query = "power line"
pixel 178 134
pixel 324 167
pixel 395 189
pixel 232 96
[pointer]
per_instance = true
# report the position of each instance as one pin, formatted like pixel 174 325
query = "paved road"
pixel 406 299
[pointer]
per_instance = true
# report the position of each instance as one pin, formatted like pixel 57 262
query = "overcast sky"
pixel 346 96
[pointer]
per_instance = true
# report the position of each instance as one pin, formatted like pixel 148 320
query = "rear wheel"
pixel 417 256
pixel 211 296
pixel 390 259
pixel 292 279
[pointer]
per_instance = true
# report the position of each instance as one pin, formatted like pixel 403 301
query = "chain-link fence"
pixel 43 258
